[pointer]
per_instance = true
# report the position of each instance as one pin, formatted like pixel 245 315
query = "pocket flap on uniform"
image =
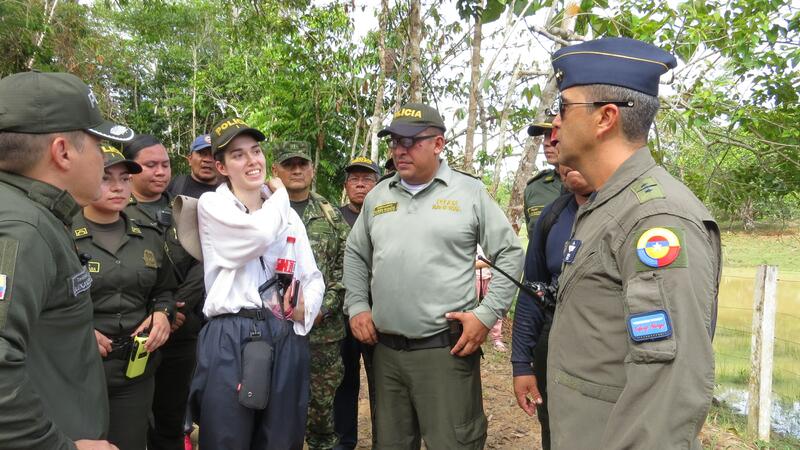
pixel 650 329
pixel 472 430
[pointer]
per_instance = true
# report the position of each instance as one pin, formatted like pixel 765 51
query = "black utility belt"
pixel 258 314
pixel 398 342
pixel 120 347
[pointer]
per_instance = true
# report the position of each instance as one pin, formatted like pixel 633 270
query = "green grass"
pixel 774 247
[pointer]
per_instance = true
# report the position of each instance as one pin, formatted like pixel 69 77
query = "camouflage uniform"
pixel 327 233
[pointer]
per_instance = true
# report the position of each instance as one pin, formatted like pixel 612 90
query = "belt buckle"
pixel 259 314
pixel 404 343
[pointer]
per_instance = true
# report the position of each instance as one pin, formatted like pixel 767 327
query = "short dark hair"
pixel 636 120
pixel 19 152
pixel 137 144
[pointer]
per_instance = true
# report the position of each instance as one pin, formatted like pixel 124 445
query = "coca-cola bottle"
pixel 284 267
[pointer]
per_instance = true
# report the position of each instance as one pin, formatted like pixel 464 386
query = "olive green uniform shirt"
pixel 541 190
pixel 327 233
pixel 128 284
pixel 416 254
pixel 188 271
pixel 52 387
pixel 607 390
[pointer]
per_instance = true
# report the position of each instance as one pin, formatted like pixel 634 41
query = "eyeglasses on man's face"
pixel 407 142
pixel 560 106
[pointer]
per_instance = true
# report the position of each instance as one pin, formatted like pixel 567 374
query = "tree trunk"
pixel 525 171
pixel 194 92
pixel 40 36
pixel 474 86
pixel 484 132
pixel 501 144
pixel 377 115
pixel 415 37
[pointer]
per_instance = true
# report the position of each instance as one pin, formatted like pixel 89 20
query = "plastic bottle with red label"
pixel 284 267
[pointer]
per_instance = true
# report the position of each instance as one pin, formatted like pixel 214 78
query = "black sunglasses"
pixel 407 142
pixel 560 106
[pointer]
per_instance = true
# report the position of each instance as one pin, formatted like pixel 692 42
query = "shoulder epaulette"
pixel 647 189
pixel 540 174
pixel 469 174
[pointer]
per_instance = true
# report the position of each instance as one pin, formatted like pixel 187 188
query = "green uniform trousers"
pixel 130 402
pixel 326 375
pixel 430 395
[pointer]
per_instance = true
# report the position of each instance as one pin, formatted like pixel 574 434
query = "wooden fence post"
pixel 759 404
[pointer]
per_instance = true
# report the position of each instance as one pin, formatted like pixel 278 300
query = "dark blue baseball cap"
pixel 614 61
pixel 201 142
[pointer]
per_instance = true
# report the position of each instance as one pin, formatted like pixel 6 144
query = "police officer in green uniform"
pixel 545 186
pixel 151 204
pixel 413 249
pixel 52 388
pixel 132 294
pixel 630 362
pixel 327 232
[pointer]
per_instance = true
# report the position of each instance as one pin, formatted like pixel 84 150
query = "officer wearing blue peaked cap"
pixel 616 61
pixel 630 362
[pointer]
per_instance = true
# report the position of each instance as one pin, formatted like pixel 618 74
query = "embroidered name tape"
pixel 570 250
pixel 649 326
pixel 384 208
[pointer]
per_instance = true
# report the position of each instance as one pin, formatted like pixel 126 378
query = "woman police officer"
pixel 132 283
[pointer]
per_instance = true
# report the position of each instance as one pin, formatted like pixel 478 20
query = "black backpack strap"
pixel 550 218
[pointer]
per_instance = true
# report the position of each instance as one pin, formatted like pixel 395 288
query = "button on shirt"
pixel 232 241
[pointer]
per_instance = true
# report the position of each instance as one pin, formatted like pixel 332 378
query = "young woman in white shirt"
pixel 244 226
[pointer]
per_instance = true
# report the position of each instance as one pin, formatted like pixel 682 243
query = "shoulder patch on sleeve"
pixel 647 189
pixel 660 247
pixel 8 262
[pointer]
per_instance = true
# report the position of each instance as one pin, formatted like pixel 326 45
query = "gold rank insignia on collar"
pixel 136 230
pixel 94 266
pixel 149 259
pixel 81 232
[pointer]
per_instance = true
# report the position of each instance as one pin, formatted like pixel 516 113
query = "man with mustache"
pixel 203 177
pixel 410 279
pixel 327 232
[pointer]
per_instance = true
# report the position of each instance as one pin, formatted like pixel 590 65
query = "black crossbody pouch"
pixel 257 355
pixel 256 373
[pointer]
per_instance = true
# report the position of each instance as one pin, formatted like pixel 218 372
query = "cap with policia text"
pixel 201 142
pixel 39 103
pixel 540 128
pixel 225 130
pixel 614 61
pixel 364 162
pixel 112 156
pixel 413 118
pixel 291 149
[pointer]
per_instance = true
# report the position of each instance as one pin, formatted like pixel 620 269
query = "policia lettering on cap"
pixel 51 376
pixel 630 362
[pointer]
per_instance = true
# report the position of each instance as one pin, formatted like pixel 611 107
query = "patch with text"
pixel 649 326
